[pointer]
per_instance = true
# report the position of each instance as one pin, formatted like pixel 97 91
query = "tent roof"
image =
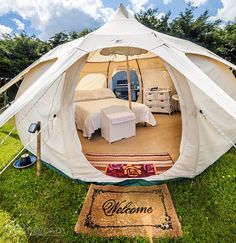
pixel 123 28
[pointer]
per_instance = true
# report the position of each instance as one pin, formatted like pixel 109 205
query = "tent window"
pixel 119 85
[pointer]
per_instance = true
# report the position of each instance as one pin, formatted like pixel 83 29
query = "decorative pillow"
pixel 96 94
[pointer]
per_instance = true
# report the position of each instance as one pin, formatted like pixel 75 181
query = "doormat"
pixel 132 211
pixel 131 165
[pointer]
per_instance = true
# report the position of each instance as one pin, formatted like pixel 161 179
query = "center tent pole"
pixel 108 67
pixel 129 82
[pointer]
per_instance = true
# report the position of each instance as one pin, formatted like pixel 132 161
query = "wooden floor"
pixel 165 137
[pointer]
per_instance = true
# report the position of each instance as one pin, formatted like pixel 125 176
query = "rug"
pixel 145 211
pixel 131 165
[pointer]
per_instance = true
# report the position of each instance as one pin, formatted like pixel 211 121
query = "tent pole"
pixel 139 70
pixel 129 82
pixel 38 163
pixel 108 67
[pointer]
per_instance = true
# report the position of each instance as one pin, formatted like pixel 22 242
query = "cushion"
pixel 121 117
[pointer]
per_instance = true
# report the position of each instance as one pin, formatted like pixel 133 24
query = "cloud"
pixel 167 1
pixel 4 30
pixel 138 5
pixel 227 12
pixel 49 17
pixel 160 15
pixel 19 24
pixel 196 3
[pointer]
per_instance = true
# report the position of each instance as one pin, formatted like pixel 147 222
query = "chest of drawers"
pixel 159 100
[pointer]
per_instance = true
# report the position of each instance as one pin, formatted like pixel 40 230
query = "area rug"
pixel 145 211
pixel 131 165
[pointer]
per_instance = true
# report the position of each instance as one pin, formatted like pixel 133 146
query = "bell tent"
pixel 204 82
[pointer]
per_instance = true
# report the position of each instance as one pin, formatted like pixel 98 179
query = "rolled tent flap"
pixel 42 83
pixel 179 61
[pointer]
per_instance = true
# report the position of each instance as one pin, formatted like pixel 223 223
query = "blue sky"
pixel 44 18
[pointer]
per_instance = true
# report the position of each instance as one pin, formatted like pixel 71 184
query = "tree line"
pixel 19 51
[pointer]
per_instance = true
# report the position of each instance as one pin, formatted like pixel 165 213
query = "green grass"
pixel 11 146
pixel 46 208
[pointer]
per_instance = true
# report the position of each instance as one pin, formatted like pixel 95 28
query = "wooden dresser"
pixel 160 100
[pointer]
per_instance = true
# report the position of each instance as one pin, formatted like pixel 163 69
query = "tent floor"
pixel 165 137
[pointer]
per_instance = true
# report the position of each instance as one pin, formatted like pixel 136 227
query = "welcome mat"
pixel 129 211
pixel 131 165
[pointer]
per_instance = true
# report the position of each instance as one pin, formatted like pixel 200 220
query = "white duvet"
pixel 87 113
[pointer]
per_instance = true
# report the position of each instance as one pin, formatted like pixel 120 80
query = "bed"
pixel 88 105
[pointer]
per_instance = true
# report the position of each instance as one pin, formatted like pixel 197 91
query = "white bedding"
pixel 87 113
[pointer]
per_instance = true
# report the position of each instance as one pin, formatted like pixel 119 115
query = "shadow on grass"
pixel 13 135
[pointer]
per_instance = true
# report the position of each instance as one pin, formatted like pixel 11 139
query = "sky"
pixel 44 18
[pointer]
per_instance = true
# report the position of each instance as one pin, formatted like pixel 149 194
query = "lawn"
pixel 46 208
pixel 11 146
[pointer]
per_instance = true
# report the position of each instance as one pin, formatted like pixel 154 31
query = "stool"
pixel 117 122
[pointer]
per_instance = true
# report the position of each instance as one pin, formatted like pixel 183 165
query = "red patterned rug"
pixel 131 165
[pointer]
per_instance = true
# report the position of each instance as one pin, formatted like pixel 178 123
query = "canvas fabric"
pixel 203 81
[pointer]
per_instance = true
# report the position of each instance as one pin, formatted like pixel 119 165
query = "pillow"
pixel 104 93
pixel 96 94
pixel 84 95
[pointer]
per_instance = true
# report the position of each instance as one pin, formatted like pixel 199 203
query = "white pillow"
pixel 104 93
pixel 96 94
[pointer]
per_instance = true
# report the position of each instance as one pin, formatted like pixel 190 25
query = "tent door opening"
pixel 158 128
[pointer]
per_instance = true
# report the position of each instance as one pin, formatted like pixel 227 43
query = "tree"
pixel 62 37
pixel 150 19
pixel 227 48
pixel 76 35
pixel 18 51
pixel 200 30
pixel 58 39
pixel 84 32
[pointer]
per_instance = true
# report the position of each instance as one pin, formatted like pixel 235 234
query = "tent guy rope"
pixel 214 125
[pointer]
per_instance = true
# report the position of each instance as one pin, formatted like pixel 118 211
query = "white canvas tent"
pixel 204 82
